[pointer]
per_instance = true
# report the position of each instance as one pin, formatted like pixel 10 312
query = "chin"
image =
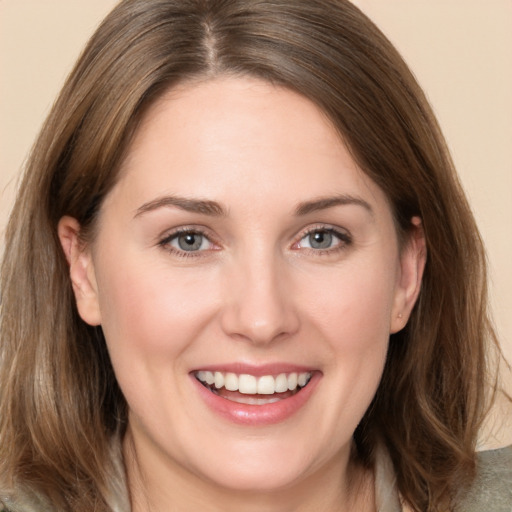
pixel 257 479
pixel 268 467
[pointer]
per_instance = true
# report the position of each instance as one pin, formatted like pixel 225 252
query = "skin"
pixel 255 292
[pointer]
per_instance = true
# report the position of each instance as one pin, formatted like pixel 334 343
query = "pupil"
pixel 321 240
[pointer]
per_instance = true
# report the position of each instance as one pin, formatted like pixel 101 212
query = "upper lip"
pixel 255 369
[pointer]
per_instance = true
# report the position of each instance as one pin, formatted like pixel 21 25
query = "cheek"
pixel 151 311
pixel 150 317
pixel 353 318
pixel 354 309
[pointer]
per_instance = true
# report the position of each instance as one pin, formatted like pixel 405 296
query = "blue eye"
pixel 320 240
pixel 324 239
pixel 187 241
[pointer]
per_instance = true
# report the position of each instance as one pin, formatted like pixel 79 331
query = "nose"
pixel 259 302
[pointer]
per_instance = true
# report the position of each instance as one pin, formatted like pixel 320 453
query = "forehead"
pixel 240 111
pixel 238 137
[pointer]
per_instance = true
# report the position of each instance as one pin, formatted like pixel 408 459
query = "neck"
pixel 339 486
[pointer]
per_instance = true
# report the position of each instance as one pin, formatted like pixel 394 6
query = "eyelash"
pixel 345 240
pixel 165 243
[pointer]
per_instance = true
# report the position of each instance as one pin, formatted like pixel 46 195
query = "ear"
pixel 412 264
pixel 81 270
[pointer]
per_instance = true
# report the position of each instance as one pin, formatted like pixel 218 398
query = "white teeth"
pixel 206 377
pixel 266 385
pixel 219 380
pixel 247 384
pixel 292 381
pixel 302 379
pixel 281 383
pixel 231 382
pixel 250 385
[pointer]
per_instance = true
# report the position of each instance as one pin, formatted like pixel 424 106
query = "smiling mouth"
pixel 252 390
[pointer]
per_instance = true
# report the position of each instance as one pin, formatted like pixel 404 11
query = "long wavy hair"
pixel 62 412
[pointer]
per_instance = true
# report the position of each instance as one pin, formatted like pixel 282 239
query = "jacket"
pixel 491 491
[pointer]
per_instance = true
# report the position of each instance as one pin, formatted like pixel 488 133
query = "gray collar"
pixel 386 493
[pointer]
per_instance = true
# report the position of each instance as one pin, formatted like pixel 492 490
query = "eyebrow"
pixel 324 203
pixel 212 208
pixel 201 206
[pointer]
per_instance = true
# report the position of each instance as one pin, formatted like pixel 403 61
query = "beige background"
pixel 460 50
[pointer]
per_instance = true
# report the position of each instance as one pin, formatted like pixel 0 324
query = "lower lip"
pixel 257 415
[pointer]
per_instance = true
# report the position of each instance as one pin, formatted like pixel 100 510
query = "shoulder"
pixel 492 488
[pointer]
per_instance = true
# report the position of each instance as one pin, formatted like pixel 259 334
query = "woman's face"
pixel 241 251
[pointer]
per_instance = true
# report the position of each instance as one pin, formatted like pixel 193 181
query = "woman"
pixel 241 275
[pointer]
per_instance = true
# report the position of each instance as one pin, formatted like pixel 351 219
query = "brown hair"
pixel 60 404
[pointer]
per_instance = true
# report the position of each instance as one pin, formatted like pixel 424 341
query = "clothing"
pixel 490 492
pixel 492 489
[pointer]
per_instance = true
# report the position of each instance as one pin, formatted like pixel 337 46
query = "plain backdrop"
pixel 460 51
